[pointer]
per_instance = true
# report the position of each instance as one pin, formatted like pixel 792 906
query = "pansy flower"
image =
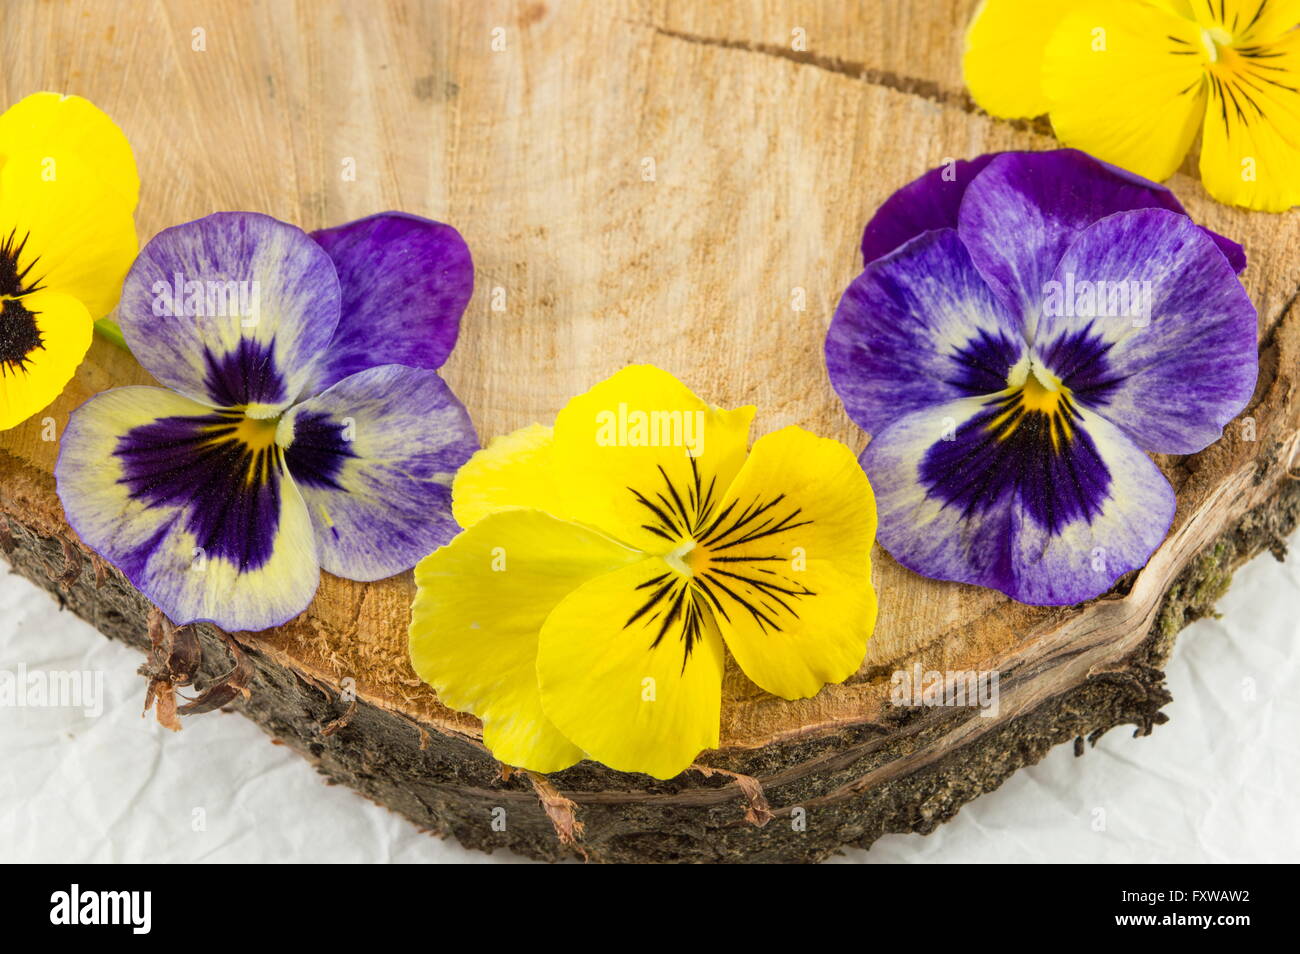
pixel 301 425
pixel 1027 328
pixel 610 559
pixel 68 189
pixel 1134 81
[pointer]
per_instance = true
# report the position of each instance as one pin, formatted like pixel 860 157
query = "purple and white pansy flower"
pixel 302 424
pixel 1029 326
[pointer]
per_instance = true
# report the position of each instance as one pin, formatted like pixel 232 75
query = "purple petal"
pixel 933 200
pixel 405 282
pixel 963 495
pixel 1165 199
pixel 374 458
pixel 1147 324
pixel 919 327
pixel 930 202
pixel 231 309
pixel 1022 212
pixel 204 524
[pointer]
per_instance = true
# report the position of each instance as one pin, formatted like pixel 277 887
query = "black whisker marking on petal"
pixel 749 515
pixel 708 531
pixel 659 533
pixel 701 585
pixel 761 618
pixel 13 283
pixel 652 602
pixel 665 521
pixel 674 611
pixel 770 588
pixel 677 500
pixel 765 531
pixel 1255 19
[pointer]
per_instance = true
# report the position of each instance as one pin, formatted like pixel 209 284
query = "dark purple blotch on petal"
pixel 319 448
pixel 1078 358
pixel 983 363
pixel 1045 460
pixel 228 492
pixel 247 375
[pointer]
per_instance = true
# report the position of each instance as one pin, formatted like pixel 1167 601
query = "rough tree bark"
pixel 680 184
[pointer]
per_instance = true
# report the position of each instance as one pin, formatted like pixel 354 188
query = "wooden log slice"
pixel 639 182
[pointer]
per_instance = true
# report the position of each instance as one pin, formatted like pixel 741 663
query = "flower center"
pixel 1214 40
pixel 677 559
pixel 1037 399
pixel 256 433
pixel 179 461
pixel 19 336
pixel 1218 46
pixel 1040 393
pixel 691 559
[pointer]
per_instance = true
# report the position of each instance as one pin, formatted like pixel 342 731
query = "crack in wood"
pixel 928 90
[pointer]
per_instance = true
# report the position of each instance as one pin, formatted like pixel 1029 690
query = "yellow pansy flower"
pixel 1134 81
pixel 610 559
pixel 68 189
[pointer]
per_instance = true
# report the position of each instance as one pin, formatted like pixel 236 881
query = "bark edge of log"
pixel 451 787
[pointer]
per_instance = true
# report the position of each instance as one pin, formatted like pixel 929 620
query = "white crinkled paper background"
pixel 1215 784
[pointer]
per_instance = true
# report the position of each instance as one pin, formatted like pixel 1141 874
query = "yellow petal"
pixel 54 126
pixel 635 680
pixel 1126 82
pixel 75 237
pixel 1003 61
pixel 1247 22
pixel 512 473
pixel 788 571
pixel 1179 8
pixel 43 337
pixel 641 458
pixel 478 612
pixel 1250 151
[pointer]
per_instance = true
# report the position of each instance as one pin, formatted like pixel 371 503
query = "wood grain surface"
pixel 661 182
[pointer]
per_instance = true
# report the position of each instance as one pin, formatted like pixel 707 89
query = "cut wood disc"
pixel 686 189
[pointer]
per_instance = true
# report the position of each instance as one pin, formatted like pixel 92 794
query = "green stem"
pixel 109 330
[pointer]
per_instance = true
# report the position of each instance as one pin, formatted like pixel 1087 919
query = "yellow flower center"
pixel 251 440
pixel 689 559
pixel 1217 43
pixel 256 433
pixel 681 560
pixel 1036 396
pixel 1039 395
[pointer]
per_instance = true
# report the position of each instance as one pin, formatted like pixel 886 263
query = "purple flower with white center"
pixel 303 424
pixel 1027 328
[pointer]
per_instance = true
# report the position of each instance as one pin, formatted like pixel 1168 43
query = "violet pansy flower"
pixel 1028 327
pixel 302 424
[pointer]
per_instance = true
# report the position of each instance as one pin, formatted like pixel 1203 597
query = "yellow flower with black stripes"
pixel 1134 81
pixel 609 560
pixel 68 189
